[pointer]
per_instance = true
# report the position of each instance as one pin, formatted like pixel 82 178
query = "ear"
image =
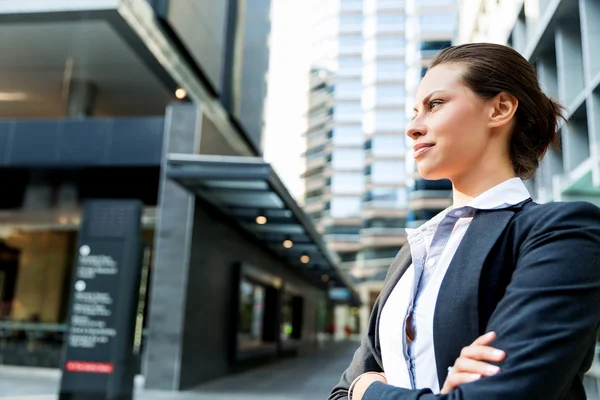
pixel 503 107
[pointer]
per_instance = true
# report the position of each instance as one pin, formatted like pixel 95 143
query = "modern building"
pixel 558 38
pixel 160 102
pixel 431 26
pixel 355 174
pixel 360 178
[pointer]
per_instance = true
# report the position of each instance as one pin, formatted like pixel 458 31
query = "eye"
pixel 435 103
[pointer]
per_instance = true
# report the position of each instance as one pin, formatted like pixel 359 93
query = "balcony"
pixel 315 162
pixel 316 139
pixel 342 242
pixel 314 205
pixel 372 28
pixel 315 182
pixel 318 120
pixel 320 98
pixel 383 209
pixel 382 237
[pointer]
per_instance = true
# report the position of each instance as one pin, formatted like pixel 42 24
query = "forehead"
pixel 445 77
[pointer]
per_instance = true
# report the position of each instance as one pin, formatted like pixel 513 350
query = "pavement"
pixel 308 377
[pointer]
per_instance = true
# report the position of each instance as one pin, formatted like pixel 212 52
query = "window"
pixel 380 253
pixel 350 63
pixel 384 95
pixel 348 111
pixel 438 22
pixel 252 301
pixel 396 197
pixel 347 134
pixel 345 207
pixel 384 120
pixel 350 43
pixel 348 159
pixel 388 172
pixel 348 88
pixel 388 145
pixel 390 42
pixel 351 19
pixel 347 183
pixel 385 223
pixel 391 19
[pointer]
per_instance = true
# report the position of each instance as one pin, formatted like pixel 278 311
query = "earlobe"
pixel 504 107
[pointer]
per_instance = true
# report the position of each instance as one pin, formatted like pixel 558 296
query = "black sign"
pixel 98 355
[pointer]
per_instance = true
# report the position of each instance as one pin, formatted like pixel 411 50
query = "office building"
pixel 162 102
pixel 359 175
pixel 431 26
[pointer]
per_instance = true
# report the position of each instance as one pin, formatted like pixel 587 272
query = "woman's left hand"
pixel 473 363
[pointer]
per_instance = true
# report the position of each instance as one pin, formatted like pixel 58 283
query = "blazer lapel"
pixel 456 317
pixel 395 272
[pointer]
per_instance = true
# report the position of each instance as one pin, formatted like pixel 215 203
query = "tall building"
pixel 431 26
pixel 159 103
pixel 558 38
pixel 358 170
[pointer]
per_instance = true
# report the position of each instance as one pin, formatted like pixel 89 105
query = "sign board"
pixel 98 350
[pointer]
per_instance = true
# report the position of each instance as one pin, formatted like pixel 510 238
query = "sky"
pixel 287 95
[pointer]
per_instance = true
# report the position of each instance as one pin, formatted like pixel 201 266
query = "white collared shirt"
pixel 413 365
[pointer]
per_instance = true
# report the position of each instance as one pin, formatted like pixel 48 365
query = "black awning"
pixel 247 188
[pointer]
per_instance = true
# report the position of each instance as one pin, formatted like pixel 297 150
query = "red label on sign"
pixel 92 367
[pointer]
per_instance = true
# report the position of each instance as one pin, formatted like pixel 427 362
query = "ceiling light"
pixel 305 259
pixel 287 243
pixel 180 93
pixel 13 96
pixel 261 220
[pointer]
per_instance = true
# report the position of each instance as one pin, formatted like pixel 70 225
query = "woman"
pixel 495 269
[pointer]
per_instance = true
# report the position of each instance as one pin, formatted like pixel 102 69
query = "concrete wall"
pixel 217 247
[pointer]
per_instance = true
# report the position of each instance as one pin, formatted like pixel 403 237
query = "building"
pixel 557 37
pixel 431 26
pixel 360 177
pixel 355 174
pixel 487 20
pixel 162 102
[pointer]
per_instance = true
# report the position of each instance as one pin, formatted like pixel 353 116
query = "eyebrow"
pixel 427 98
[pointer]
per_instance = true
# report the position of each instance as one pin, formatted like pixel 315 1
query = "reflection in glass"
pixel 252 302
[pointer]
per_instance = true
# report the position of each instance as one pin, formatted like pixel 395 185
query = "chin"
pixel 431 174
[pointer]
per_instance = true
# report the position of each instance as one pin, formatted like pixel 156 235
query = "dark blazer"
pixel 531 273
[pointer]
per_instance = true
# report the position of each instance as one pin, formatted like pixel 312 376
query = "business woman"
pixel 497 297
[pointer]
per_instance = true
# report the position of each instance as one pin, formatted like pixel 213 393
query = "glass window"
pixel 350 43
pixel 391 19
pixel 348 134
pixel 350 63
pixel 347 183
pixel 388 197
pixel 388 145
pixel 252 301
pixel 390 42
pixel 388 172
pixel 351 19
pixel 437 22
pixel 348 111
pixel 389 94
pixel 348 88
pixel 345 207
pixel 385 120
pixel 348 158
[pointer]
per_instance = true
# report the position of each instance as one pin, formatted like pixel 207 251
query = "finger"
pixel 456 379
pixel 486 339
pixel 466 365
pixel 483 353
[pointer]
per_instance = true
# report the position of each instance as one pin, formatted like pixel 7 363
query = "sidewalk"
pixel 302 378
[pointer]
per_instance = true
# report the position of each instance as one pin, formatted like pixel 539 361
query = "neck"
pixel 477 181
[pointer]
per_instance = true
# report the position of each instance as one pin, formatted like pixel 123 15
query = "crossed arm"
pixel 546 322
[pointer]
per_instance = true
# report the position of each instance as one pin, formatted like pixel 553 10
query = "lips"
pixel 421 148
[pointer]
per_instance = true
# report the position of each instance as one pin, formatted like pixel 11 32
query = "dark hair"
pixel 493 68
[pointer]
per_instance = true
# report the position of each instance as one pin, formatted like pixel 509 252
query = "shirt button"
pixel 431 262
pixel 458 213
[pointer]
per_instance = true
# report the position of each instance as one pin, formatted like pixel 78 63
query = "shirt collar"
pixel 508 193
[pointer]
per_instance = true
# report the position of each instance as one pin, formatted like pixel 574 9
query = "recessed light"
pixel 180 93
pixel 261 220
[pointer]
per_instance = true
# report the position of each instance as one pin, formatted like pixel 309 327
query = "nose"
pixel 416 129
